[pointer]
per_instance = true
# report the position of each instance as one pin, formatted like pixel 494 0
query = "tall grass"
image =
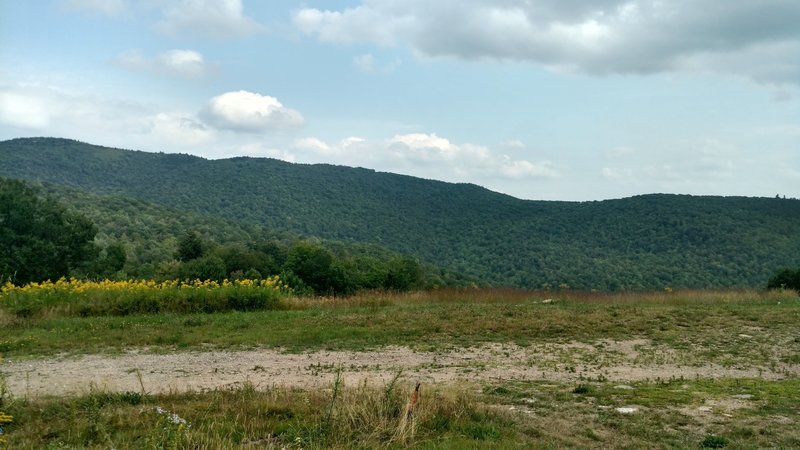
pixel 345 417
pixel 372 299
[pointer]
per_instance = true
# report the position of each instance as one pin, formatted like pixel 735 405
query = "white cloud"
pixel 177 62
pixel 425 155
pixel 367 63
pixel 180 129
pixel 703 163
pixel 259 150
pixel 214 18
pixel 312 144
pixel 464 159
pixel 352 150
pixel 513 144
pixel 527 169
pixel 611 173
pixel 24 110
pixel 250 112
pixel 361 24
pixel 112 8
pixel 45 109
pixel 759 40
pixel 619 152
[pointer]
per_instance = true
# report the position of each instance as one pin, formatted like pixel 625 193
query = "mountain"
pixel 649 241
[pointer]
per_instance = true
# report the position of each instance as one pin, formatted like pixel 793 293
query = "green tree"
pixel 403 274
pixel 112 261
pixel 314 265
pixel 40 239
pixel 238 258
pixel 205 268
pixel 785 279
pixel 190 246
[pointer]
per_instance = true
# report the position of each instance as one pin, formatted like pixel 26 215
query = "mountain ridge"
pixel 645 241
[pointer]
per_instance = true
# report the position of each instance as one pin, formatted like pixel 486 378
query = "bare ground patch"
pixel 616 361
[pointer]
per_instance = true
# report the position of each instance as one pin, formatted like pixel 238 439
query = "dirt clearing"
pixel 616 361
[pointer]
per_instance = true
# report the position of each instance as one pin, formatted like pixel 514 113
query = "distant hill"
pixel 650 241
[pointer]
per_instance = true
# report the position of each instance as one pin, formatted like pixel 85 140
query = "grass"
pixel 342 417
pixel 675 414
pixel 701 327
pixel 574 331
pixel 509 415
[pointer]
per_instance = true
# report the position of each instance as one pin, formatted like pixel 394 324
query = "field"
pixel 497 369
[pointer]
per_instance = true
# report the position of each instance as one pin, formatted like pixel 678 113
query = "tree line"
pixel 41 239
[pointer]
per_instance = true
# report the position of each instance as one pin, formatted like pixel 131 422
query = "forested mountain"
pixel 650 241
pixel 49 231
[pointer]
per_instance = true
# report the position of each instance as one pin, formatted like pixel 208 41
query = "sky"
pixel 539 99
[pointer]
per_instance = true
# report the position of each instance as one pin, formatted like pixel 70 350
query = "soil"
pixel 141 369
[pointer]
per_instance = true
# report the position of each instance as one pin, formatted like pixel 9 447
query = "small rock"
pixel 530 400
pixel 626 410
pixel 704 408
pixel 745 336
pixel 743 396
pixel 623 387
pixel 547 300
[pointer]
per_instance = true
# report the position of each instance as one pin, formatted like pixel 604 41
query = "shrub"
pixel 712 441
pixel 120 298
pixel 785 279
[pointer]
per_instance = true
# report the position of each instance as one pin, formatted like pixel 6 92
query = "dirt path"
pixel 623 361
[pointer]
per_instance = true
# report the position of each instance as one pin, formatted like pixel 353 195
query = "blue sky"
pixel 540 99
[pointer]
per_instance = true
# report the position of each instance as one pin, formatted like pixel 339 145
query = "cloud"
pixel 44 109
pixel 366 23
pixel 180 63
pixel 367 63
pixel 464 159
pixel 259 150
pixel 24 111
pixel 111 8
pixel 214 18
pixel 757 40
pixel 781 95
pixel 701 161
pixel 179 129
pixel 250 112
pixel 619 152
pixel 426 155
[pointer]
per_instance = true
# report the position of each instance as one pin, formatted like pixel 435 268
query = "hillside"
pixel 650 241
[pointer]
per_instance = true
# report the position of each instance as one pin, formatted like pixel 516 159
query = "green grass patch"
pixel 677 414
pixel 535 415
pixel 704 326
pixel 341 417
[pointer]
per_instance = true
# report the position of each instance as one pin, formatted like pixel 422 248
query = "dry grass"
pixel 341 417
pixel 678 414
pixel 377 299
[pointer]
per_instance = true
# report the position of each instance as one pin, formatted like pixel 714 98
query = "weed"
pixel 582 389
pixel 712 441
